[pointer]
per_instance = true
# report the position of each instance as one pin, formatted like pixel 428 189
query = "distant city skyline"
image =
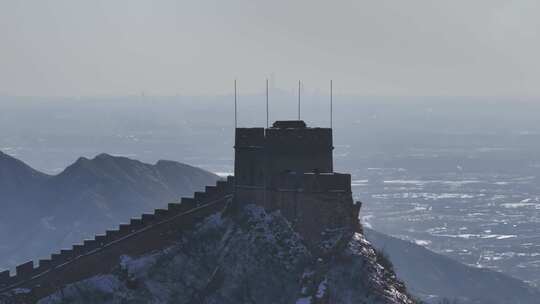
pixel 168 47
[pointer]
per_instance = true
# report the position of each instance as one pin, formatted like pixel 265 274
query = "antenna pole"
pixel 331 106
pixel 265 162
pixel 267 117
pixel 299 99
pixel 235 107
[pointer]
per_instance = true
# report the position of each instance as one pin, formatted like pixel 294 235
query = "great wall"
pixel 100 255
pixel 288 167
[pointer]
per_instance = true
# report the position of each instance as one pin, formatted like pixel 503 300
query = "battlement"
pixel 289 124
pixel 98 255
pixel 298 138
pixel 284 135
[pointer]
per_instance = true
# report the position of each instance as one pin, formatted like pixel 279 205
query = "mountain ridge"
pixel 15 174
pixel 86 198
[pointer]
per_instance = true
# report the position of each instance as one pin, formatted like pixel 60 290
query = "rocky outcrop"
pixel 249 256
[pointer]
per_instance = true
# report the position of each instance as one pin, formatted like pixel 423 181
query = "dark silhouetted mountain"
pixel 432 276
pixel 16 178
pixel 43 213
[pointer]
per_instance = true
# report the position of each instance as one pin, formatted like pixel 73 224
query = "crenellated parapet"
pixel 98 255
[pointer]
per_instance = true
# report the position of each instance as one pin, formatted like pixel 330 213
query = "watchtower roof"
pixel 289 124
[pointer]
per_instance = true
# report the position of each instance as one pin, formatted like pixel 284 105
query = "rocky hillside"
pixel 434 277
pixel 42 213
pixel 245 256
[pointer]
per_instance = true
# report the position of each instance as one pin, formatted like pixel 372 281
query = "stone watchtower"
pixel 290 167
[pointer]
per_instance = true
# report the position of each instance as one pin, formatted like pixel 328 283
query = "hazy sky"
pixel 166 47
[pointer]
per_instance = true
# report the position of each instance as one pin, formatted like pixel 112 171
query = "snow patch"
pixel 21 290
pixel 422 242
pixel 321 290
pixel 306 300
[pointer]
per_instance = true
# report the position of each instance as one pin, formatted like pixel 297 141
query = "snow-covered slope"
pixel 433 277
pixel 246 256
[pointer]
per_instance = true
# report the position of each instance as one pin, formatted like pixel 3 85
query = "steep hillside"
pixel 17 178
pixel 19 191
pixel 432 276
pixel 44 213
pixel 248 256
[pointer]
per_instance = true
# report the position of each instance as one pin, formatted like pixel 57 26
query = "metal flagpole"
pixel 298 99
pixel 265 153
pixel 331 106
pixel 267 117
pixel 235 147
pixel 235 107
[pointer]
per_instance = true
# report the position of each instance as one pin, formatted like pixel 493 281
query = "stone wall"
pixel 298 150
pixel 249 156
pixel 101 254
pixel 316 204
pixel 264 153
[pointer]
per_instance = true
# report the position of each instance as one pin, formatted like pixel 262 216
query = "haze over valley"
pixel 444 173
